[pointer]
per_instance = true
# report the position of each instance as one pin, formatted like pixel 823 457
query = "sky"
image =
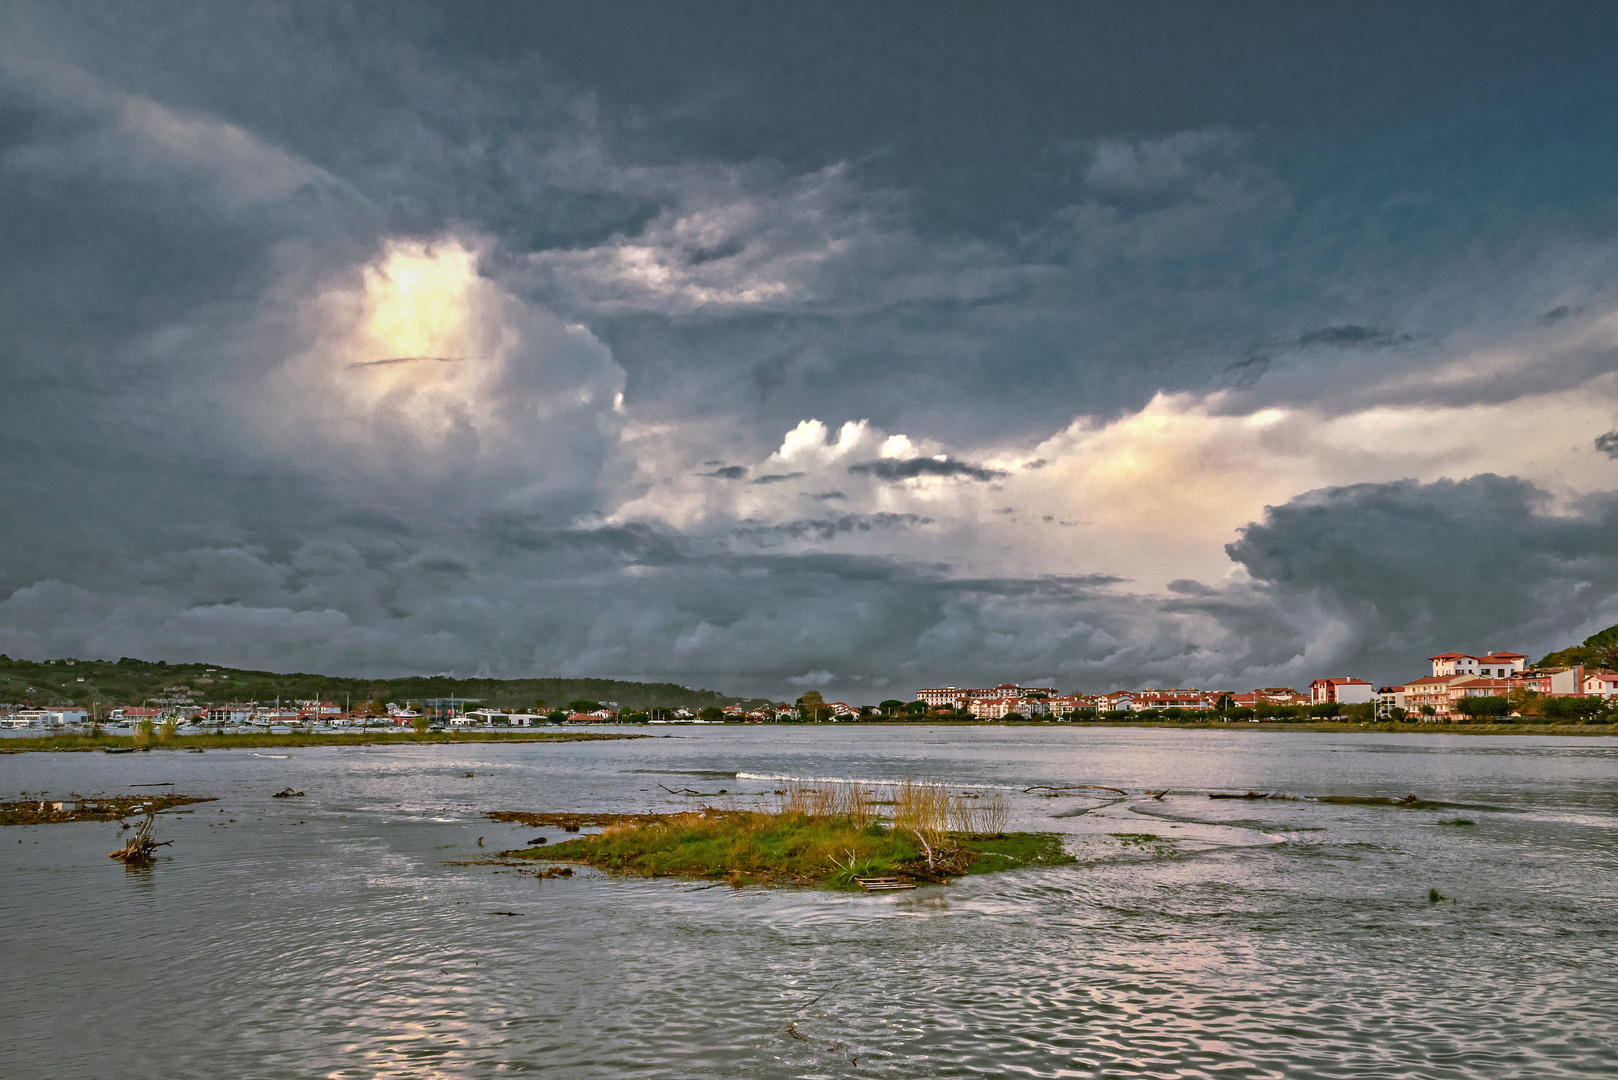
pixel 829 346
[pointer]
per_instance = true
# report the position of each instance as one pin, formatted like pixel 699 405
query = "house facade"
pixel 1497 665
pixel 1343 691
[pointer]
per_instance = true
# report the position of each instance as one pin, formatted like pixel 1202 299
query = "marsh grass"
pixel 743 847
pixel 815 834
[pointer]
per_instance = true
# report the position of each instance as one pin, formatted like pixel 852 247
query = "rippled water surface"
pixel 333 935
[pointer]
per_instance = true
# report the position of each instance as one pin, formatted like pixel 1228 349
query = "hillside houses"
pixel 1458 676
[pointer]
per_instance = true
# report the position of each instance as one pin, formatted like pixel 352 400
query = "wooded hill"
pixel 1598 650
pixel 131 682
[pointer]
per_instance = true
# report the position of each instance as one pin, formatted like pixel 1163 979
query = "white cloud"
pixel 1153 495
pixel 418 363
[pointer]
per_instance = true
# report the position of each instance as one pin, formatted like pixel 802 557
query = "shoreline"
pixel 83 744
pixel 23 744
pixel 1339 727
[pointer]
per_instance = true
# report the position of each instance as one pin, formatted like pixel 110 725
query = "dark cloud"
pixel 910 468
pixel 776 478
pixel 1608 444
pixel 827 528
pixel 1350 336
pixel 728 472
pixel 772 371
pixel 1404 570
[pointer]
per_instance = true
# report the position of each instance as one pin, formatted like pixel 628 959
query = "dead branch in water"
pixel 142 845
pixel 1057 789
pixel 693 791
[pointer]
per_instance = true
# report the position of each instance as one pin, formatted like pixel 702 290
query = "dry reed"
pixel 922 807
pixel 983 815
pixel 824 800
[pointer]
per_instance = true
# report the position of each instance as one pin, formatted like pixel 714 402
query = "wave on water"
pixel 873 781
pixel 282 757
pixel 717 774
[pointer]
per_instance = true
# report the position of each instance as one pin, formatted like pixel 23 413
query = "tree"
pixel 713 714
pixel 583 705
pixel 916 708
pixel 891 706
pixel 1477 707
pixel 1598 650
pixel 420 725
pixel 1573 708
pixel 813 707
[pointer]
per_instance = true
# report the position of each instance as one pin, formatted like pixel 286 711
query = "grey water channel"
pixel 336 935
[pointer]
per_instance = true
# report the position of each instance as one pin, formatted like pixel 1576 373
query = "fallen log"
pixel 1056 789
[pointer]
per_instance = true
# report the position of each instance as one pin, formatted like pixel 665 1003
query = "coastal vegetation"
pixel 130 682
pixel 154 739
pixel 1598 650
pixel 829 835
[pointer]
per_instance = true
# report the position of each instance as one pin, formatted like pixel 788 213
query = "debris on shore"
pixel 287 793
pixel 90 808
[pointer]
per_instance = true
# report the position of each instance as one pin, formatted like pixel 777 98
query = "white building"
pixel 1341 691
pixel 1495 665
pixel 48 717
pixel 500 718
pixel 1601 683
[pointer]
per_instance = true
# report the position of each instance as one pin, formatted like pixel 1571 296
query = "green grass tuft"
pixel 747 847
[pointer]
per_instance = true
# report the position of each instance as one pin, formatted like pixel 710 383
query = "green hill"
pixel 1598 650
pixel 130 682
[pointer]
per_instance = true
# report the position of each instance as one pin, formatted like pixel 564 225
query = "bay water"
pixel 341 933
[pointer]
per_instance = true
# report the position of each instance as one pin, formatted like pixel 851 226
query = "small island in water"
pixel 839 836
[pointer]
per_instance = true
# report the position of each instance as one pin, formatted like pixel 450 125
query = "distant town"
pixel 1461 688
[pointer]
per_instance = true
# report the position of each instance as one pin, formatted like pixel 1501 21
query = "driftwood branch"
pixel 925 847
pixel 1056 789
pixel 693 791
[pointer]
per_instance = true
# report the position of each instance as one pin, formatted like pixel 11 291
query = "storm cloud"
pixel 508 338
